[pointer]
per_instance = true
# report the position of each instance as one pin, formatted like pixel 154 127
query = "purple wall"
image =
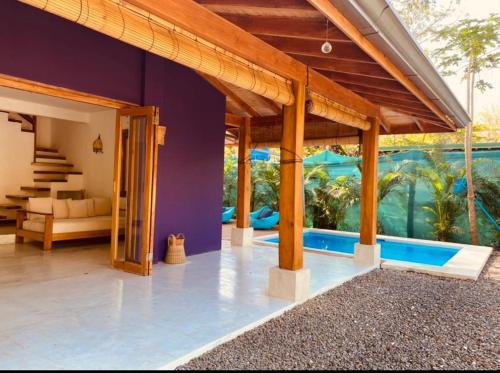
pixel 190 179
pixel 41 47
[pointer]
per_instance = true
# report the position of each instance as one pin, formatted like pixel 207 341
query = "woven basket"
pixel 175 250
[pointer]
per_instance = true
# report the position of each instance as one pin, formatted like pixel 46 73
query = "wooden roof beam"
pixel 419 125
pixel 335 16
pixel 234 120
pixel 312 48
pixel 202 22
pixel 226 91
pixel 345 66
pixel 303 28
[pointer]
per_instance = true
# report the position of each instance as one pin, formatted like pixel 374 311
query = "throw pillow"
pixel 90 207
pixel 60 208
pixel 265 213
pixel 77 209
pixel 43 205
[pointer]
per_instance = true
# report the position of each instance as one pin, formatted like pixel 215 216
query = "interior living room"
pixel 58 158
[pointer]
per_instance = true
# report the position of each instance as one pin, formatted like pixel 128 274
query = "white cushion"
pixel 70 225
pixel 60 208
pixel 43 205
pixel 90 207
pixel 77 208
pixel 102 206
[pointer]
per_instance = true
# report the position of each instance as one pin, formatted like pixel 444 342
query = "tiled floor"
pixel 76 313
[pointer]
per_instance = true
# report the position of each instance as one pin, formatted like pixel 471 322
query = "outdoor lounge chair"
pixel 227 214
pixel 267 222
pixel 256 213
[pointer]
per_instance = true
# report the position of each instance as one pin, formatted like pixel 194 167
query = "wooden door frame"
pixel 70 94
pixel 145 268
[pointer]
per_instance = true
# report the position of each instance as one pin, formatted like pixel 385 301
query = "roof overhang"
pixel 378 22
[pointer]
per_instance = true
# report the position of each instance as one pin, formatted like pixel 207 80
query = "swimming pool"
pixel 403 251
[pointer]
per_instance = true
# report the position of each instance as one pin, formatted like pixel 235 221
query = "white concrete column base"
pixel 241 236
pixel 289 285
pixel 367 254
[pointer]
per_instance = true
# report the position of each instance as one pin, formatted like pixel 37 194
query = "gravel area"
pixel 383 320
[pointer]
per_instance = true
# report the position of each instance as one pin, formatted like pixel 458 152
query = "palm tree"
pixel 266 184
pixel 446 207
pixel 389 181
pixel 316 179
pixel 230 181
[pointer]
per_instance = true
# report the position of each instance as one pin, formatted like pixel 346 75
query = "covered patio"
pixel 283 89
pixel 264 60
pixel 93 317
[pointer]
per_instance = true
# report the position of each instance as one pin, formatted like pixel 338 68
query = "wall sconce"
pixel 97 145
pixel 162 130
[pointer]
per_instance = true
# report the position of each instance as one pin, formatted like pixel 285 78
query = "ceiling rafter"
pixel 226 91
pixel 326 7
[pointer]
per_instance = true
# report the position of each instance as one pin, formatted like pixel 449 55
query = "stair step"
pixel 50 181
pixel 10 206
pixel 23 197
pixel 47 150
pixel 50 156
pixel 35 189
pixel 6 221
pixel 14 120
pixel 26 130
pixel 54 164
pixel 44 172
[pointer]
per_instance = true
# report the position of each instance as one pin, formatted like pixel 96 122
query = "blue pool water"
pixel 390 250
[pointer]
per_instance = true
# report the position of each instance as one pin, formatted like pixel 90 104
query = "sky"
pixel 478 9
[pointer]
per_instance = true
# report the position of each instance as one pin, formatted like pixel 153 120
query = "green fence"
pixel 410 202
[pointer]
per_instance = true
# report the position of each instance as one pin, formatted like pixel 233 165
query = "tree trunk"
pixel 410 217
pixel 468 159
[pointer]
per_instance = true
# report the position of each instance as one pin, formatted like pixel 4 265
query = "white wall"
pixel 16 155
pixel 44 132
pixel 74 140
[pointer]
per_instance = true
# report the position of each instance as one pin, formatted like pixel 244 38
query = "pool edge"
pixel 466 264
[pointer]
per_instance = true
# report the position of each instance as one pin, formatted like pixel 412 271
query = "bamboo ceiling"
pixel 292 27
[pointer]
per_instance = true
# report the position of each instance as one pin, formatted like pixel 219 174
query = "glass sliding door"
pixel 136 148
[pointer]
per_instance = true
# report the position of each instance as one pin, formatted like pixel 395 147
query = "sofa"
pixel 49 220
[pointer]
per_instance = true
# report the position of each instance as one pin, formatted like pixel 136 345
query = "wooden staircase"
pixel 48 167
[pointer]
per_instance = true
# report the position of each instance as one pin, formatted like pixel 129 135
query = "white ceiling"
pixel 25 102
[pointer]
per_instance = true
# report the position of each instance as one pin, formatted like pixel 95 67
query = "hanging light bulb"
pixel 326 47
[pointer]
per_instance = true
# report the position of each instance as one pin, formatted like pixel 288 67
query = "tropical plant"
pixel 446 206
pixel 389 182
pixel 487 185
pixel 230 181
pixel 422 17
pixel 316 179
pixel 345 192
pixel 265 184
pixel 471 47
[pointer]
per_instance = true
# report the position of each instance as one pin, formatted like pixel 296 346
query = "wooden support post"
pixel 291 179
pixel 243 203
pixel 369 183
